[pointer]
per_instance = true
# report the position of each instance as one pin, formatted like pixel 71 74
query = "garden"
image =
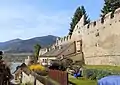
pixel 92 73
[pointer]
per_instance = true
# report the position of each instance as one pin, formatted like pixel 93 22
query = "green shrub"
pixel 95 74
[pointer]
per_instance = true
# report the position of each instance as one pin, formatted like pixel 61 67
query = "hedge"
pixel 96 74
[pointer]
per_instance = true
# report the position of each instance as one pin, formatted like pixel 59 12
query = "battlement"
pixel 62 40
pixel 81 29
pixel 91 27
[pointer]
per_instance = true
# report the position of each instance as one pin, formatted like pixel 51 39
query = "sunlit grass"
pixel 104 67
pixel 82 81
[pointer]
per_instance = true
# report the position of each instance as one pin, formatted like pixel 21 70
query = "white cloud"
pixel 27 22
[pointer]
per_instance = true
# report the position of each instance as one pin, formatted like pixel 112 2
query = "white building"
pixel 46 60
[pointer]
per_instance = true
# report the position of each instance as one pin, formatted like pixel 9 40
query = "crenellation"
pixel 65 38
pixel 95 24
pixel 107 16
pixel 92 25
pixel 117 11
pixel 98 37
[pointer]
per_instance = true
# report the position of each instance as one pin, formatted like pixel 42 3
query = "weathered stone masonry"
pixel 100 40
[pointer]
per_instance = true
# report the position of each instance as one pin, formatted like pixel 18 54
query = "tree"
pixel 37 48
pixel 87 20
pixel 1 54
pixel 110 6
pixel 80 11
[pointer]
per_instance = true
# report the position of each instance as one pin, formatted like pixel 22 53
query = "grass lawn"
pixel 82 81
pixel 105 67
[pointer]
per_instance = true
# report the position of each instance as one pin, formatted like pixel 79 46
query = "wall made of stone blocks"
pixel 103 60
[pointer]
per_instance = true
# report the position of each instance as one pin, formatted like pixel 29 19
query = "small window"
pixel 110 24
pixel 115 21
pixel 80 44
pixel 97 34
pixel 96 44
pixel 78 50
pixel 119 20
pixel 77 26
pixel 78 31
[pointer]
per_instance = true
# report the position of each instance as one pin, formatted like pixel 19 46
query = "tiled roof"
pixel 57 51
pixel 18 71
pixel 23 67
pixel 26 70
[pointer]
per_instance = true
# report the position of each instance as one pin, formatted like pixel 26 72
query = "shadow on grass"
pixel 71 83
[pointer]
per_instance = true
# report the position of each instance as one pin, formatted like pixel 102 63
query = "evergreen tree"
pixel 87 20
pixel 37 48
pixel 110 6
pixel 80 11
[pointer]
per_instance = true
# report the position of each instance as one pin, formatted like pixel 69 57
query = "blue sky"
pixel 26 19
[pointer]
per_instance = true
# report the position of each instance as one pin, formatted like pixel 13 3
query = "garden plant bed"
pixel 81 81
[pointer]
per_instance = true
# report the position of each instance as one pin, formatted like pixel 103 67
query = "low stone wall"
pixel 103 60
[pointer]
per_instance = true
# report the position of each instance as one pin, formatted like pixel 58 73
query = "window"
pixel 45 60
pixel 77 26
pixel 78 31
pixel 96 44
pixel 78 50
pixel 97 34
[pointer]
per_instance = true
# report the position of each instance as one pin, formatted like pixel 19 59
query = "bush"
pixel 96 74
pixel 36 67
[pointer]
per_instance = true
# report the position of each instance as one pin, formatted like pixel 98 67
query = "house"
pixel 63 51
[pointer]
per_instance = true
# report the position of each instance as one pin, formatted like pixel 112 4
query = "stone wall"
pixel 100 39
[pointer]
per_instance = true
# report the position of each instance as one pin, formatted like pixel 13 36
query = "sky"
pixel 26 19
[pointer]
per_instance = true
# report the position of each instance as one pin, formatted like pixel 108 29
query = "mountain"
pixel 26 46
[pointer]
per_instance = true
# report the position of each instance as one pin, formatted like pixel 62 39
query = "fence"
pixel 59 76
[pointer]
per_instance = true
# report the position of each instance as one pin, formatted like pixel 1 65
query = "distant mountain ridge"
pixel 26 46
